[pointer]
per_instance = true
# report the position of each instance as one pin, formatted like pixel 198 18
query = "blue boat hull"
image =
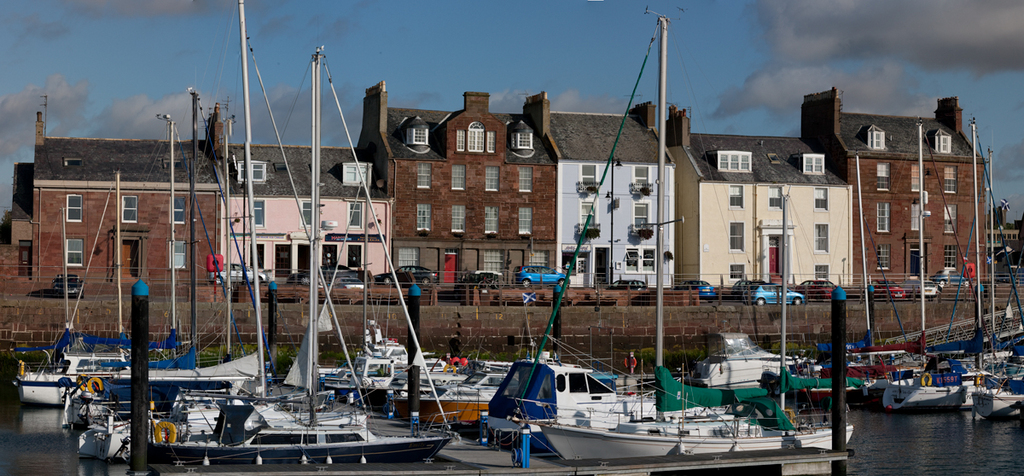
pixel 412 452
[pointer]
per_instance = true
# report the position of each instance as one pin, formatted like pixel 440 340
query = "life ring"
pixel 164 432
pixel 94 385
pixel 926 380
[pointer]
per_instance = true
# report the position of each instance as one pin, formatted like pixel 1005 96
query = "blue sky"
pixel 108 67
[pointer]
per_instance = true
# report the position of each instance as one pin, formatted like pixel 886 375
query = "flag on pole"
pixel 1005 205
pixel 529 297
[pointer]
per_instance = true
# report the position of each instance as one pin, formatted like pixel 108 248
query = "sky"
pixel 108 67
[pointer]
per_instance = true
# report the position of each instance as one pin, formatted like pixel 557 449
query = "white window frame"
pixel 423 216
pixel 181 201
pixel 876 138
pixel 737 196
pixel 641 214
pixel 259 171
pixel 634 255
pixel 821 237
pixel 491 219
pixel 588 177
pixel 821 271
pixel 525 179
pixel 737 238
pixel 585 208
pixel 915 178
pixel 351 175
pixel 458 218
pixel 733 161
pixel 492 178
pixel 75 255
pixel 494 260
pixel 821 202
pixel 883 217
pixel 775 198
pixel 525 220
pixel 408 257
pixel 492 139
pixel 641 174
pixel 539 258
pixel 460 140
pixel 949 184
pixel 73 211
pixel 884 256
pixel 475 137
pixel 647 260
pixel 915 217
pixel 423 175
pixel 307 213
pixel 179 254
pixel 737 271
pixel 355 215
pixel 949 218
pixel 522 140
pixel 814 164
pixel 883 173
pixel 943 142
pixel 416 136
pixel 949 257
pixel 129 214
pixel 458 177
pixel 259 213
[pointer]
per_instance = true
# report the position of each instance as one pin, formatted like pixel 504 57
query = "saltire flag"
pixel 529 297
pixel 1005 205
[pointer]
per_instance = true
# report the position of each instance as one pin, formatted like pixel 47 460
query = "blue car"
pixel 769 294
pixel 704 289
pixel 529 275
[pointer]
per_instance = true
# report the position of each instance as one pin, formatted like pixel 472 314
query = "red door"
pixel 451 265
pixel 773 256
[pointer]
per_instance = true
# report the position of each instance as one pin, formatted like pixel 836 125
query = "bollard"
pixel 414 370
pixel 524 451
pixel 483 429
pixel 839 378
pixel 389 407
pixel 140 378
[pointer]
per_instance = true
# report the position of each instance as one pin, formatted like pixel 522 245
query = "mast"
pixel 117 252
pixel 249 194
pixel 659 259
pixel 174 269
pixel 314 236
pixel 863 252
pixel 785 292
pixel 226 266
pixel 194 331
pixel 920 215
pixel 64 265
pixel 990 248
pixel 977 235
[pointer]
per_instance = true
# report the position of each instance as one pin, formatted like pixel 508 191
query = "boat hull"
pixel 997 406
pixel 385 450
pixel 919 399
pixel 454 410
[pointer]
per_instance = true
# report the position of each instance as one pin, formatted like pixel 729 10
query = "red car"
pixel 884 289
pixel 816 289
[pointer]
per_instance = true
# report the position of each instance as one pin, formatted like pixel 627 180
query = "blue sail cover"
pixel 169 343
pixel 973 346
pixel 866 341
pixel 64 341
pixel 185 361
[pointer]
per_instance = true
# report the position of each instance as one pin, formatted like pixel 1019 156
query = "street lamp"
pixel 611 232
pixel 170 237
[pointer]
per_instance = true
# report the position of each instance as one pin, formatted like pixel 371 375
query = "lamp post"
pixel 609 278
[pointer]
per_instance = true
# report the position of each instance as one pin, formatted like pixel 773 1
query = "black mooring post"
pixel 140 378
pixel 272 323
pixel 839 378
pixel 414 370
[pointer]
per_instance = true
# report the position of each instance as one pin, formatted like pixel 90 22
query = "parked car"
pixel 913 287
pixel 74 285
pixel 885 289
pixel 632 284
pixel 238 277
pixel 419 274
pixel 941 278
pixel 816 289
pixel 770 294
pixel 1005 277
pixel 742 288
pixel 704 289
pixel 528 275
pixel 480 279
pixel 347 282
pixel 302 277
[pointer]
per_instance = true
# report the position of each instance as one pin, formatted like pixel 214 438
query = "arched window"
pixel 476 137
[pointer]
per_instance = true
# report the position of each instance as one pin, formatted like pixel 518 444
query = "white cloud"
pixel 934 34
pixel 18 111
pixel 571 101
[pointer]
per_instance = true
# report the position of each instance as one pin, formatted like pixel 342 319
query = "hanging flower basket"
pixel 645 191
pixel 593 233
pixel 645 233
pixel 668 256
pixel 423 232
pixel 591 188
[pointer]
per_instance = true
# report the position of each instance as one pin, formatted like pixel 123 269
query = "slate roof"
pixel 788 149
pixel 900 134
pixel 21 203
pixel 277 184
pixel 138 160
pixel 398 118
pixel 581 136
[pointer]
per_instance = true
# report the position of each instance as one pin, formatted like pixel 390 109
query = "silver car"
pixel 913 288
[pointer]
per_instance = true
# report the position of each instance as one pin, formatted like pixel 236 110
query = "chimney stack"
pixel 538 108
pixel 375 115
pixel 476 103
pixel 819 115
pixel 678 125
pixel 40 129
pixel 950 114
pixel 648 114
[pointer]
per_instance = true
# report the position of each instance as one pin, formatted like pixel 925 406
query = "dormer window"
pixel 259 171
pixel 475 141
pixel 814 164
pixel 416 132
pixel 876 138
pixel 72 162
pixel 522 137
pixel 733 161
pixel 352 174
pixel 942 142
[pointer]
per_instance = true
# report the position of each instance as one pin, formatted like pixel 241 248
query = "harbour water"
pixel 33 443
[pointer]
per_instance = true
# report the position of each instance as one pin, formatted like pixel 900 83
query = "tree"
pixel 5 228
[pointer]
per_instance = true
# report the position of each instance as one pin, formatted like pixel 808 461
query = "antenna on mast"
pixel 45 99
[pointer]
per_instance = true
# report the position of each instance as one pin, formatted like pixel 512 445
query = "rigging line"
pixel 953 224
pixel 882 270
pixel 418 358
pixel 96 241
pixel 693 96
pixel 608 164
pixel 298 90
pixel 956 298
pixel 1002 237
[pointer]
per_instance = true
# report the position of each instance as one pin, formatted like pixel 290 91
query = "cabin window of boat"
pixel 75 249
pixel 596 386
pixel 473 379
pixel 577 383
pixel 377 370
pixel 520 375
pixel 130 209
pixel 74 208
pixel 281 439
pixel 545 388
pixel 343 437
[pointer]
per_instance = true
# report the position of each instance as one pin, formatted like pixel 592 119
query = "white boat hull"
pixel 997 406
pixel 917 398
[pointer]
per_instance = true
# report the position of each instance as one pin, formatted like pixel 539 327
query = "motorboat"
pixel 734 361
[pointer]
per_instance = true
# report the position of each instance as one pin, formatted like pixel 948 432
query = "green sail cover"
pixel 789 382
pixel 755 402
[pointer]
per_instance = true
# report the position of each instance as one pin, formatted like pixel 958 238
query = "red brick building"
pixel 890 181
pixel 473 190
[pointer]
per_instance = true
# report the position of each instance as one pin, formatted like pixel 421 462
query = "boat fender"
pixel 21 368
pixel 926 380
pixel 979 381
pixel 94 385
pixel 164 432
